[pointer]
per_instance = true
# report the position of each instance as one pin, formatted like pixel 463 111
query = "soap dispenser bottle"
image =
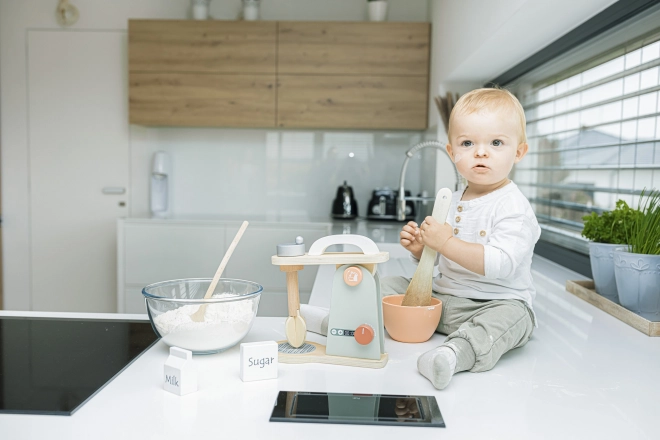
pixel 159 186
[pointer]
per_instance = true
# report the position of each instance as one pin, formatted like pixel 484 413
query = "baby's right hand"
pixel 411 239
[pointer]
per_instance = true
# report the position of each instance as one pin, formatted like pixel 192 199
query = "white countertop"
pixel 584 374
pixel 380 231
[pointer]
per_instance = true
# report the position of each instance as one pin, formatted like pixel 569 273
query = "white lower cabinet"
pixel 133 300
pixel 157 250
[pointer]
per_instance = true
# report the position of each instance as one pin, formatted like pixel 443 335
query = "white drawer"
pixel 162 252
pixel 134 300
pixel 275 303
pixel 252 258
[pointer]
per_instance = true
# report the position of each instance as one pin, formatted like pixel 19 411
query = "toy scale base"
pixel 311 352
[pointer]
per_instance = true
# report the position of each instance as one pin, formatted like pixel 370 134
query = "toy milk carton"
pixel 258 360
pixel 180 372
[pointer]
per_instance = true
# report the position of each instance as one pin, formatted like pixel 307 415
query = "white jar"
pixel 251 10
pixel 199 9
pixel 377 10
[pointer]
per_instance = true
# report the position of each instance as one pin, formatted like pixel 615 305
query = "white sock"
pixel 438 366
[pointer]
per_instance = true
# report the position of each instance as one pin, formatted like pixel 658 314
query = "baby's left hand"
pixel 434 234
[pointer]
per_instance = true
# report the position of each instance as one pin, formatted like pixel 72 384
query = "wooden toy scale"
pixel 355 325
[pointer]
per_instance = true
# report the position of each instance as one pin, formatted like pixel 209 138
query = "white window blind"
pixel 594 136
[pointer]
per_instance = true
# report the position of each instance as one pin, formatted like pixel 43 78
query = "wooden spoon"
pixel 198 316
pixel 421 286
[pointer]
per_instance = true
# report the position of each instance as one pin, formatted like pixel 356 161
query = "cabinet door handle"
pixel 114 190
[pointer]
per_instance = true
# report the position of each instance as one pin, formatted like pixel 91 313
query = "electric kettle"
pixel 344 205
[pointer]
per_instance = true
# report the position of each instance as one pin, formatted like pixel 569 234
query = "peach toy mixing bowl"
pixel 410 324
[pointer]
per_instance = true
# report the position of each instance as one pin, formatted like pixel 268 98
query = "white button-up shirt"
pixel 504 223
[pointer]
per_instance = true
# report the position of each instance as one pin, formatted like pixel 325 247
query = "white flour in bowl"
pixel 224 325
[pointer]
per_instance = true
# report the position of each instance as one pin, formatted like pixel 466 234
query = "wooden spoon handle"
pixel 440 211
pixel 441 206
pixel 420 290
pixel 225 260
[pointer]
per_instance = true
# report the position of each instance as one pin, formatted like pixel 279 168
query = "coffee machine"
pixel 382 205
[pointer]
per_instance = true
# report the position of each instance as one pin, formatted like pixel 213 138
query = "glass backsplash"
pixel 273 174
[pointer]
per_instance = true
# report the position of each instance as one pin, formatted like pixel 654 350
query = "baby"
pixel 485 248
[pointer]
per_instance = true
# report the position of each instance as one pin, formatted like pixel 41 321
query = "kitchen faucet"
pixel 401 199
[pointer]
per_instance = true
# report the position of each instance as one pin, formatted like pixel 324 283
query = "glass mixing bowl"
pixel 228 316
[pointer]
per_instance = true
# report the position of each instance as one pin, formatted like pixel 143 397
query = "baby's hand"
pixel 411 240
pixel 434 234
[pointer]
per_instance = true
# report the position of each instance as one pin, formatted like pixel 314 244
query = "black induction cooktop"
pixel 54 366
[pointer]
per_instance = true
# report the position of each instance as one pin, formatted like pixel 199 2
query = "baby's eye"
pixel 466 143
pixel 497 143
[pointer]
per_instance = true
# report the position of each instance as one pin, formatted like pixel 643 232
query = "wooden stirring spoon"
pixel 198 316
pixel 421 286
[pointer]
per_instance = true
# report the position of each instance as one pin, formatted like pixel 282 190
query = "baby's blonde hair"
pixel 489 99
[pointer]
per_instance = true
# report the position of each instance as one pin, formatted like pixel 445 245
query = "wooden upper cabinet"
pixel 202 99
pixel 215 73
pixel 347 101
pixel 353 48
pixel 202 73
pixel 211 46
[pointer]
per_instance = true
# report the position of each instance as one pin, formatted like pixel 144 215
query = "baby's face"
pixel 485 145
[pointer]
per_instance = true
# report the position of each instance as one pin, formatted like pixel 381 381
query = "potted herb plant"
pixel 377 10
pixel 637 265
pixel 606 232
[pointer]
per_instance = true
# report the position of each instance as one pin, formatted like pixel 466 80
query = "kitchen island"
pixel 584 374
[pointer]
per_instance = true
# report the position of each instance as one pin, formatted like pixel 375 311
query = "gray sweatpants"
pixel 488 327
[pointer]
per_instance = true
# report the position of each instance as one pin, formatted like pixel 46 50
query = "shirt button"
pixel 482 233
pixel 458 219
pixel 455 231
pixel 460 209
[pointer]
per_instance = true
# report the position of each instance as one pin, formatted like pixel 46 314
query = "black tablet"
pixel 357 409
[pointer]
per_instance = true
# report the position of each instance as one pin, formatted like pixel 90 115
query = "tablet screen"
pixel 361 409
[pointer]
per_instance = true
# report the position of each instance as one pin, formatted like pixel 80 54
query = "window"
pixel 593 126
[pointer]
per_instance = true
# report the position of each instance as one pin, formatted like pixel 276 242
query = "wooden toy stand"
pixel 297 351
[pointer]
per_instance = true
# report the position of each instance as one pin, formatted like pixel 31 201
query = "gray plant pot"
pixel 638 282
pixel 602 268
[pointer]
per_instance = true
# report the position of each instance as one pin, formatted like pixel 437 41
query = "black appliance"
pixel 344 206
pixel 382 205
pixel 54 366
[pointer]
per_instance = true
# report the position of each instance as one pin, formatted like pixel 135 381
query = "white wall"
pixel 17 17
pixel 474 41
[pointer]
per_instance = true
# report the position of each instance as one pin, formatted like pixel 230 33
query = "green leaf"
pixel 611 226
pixel 645 231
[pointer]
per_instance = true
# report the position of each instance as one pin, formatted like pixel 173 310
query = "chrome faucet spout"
pixel 401 199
